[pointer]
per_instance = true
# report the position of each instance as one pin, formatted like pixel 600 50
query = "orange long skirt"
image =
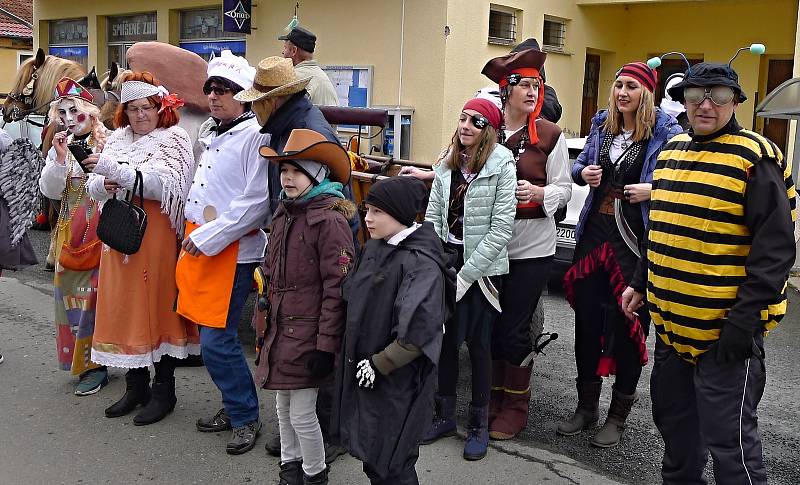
pixel 136 323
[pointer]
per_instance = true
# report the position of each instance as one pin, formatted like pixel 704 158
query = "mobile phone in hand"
pixel 80 153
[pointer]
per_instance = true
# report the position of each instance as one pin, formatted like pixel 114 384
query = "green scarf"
pixel 324 187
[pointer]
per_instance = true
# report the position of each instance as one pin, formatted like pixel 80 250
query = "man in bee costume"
pixel 714 266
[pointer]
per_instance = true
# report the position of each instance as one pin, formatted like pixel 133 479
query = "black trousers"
pixel 709 407
pixel 522 288
pixel 597 314
pixel 406 477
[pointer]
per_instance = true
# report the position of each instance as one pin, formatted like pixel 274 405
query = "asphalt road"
pixel 636 460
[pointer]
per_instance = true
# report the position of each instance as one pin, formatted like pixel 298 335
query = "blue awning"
pixel 70 51
pixel 236 46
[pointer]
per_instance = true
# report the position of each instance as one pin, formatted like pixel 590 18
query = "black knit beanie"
pixel 400 197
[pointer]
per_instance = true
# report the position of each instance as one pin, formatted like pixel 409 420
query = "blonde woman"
pixel 76 246
pixel 617 164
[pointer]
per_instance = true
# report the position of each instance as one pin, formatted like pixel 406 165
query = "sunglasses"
pixel 478 121
pixel 216 89
pixel 719 95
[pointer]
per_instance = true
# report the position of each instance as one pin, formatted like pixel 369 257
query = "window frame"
pixel 515 15
pixel 546 47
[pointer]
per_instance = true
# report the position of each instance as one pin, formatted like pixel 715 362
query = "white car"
pixel 565 230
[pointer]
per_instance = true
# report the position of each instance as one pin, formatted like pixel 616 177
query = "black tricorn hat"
pixel 706 74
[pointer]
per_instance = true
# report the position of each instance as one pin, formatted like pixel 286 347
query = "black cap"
pixel 400 197
pixel 706 74
pixel 302 38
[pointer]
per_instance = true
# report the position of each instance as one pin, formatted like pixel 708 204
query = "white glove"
pixel 365 374
pixel 461 287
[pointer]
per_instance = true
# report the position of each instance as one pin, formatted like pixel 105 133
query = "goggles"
pixel 719 95
pixel 219 91
pixel 478 121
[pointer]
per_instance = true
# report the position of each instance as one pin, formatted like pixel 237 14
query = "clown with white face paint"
pixel 76 246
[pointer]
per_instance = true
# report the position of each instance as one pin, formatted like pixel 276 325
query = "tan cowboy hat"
pixel 304 144
pixel 275 76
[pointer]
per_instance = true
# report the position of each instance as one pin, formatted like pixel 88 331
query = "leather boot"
pixel 477 433
pixel 137 391
pixel 587 412
pixel 496 395
pixel 612 429
pixel 320 478
pixel 291 473
pixel 162 403
pixel 513 416
pixel 444 422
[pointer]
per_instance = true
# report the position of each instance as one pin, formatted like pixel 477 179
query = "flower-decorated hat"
pixel 67 87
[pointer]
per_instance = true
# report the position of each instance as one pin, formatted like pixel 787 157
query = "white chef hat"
pixel 233 68
pixel 133 90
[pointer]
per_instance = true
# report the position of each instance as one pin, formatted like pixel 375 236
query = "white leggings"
pixel 301 437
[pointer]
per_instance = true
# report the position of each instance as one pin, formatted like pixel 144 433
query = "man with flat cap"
pixel 299 45
pixel 714 267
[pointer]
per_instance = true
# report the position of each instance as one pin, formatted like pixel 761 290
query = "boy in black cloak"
pixel 398 297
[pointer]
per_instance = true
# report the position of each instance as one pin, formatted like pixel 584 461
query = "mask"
pixel 263 108
pixel 76 121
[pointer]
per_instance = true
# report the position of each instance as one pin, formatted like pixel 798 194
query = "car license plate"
pixel 566 234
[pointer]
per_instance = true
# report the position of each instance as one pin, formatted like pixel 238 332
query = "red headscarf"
pixel 487 109
pixel 532 73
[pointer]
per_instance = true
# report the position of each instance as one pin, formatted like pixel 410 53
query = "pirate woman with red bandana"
pixel 617 164
pixel 543 187
pixel 77 248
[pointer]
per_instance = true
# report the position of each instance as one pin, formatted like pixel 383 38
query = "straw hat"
pixel 275 77
pixel 304 144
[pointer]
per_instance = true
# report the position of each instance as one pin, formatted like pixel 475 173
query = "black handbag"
pixel 122 222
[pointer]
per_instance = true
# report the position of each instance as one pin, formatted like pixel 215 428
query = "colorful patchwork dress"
pixel 77 257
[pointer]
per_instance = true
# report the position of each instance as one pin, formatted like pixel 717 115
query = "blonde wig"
pixel 98 128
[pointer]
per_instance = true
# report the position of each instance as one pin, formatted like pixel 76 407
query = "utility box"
pixel 397 133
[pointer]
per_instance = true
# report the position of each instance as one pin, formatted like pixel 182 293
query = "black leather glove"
pixel 734 344
pixel 320 363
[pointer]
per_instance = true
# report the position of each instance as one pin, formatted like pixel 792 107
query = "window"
pixel 502 25
pixel 554 35
pixel 23 56
pixel 127 30
pixel 201 33
pixel 69 39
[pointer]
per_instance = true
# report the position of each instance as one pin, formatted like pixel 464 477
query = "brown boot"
pixel 513 416
pixel 587 413
pixel 496 396
pixel 611 432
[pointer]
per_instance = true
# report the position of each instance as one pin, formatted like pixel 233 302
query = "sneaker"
pixel 91 382
pixel 1 358
pixel 243 438
pixel 219 422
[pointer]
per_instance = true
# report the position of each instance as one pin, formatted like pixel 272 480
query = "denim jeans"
pixel 224 357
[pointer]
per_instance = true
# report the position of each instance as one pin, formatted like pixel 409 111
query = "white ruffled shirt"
pixel 536 238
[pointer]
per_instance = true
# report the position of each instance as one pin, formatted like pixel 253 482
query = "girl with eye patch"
pixel 471 206
pixel 543 188
pixel 617 163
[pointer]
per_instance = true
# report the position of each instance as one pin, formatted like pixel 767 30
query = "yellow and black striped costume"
pixel 698 241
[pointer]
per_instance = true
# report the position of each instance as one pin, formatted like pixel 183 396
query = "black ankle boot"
pixel 137 391
pixel 291 473
pixel 320 478
pixel 161 403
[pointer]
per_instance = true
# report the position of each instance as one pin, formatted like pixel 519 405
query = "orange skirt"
pixel 136 322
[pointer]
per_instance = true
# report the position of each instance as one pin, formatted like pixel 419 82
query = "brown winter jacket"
pixel 310 252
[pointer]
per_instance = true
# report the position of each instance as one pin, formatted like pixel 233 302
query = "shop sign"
pixel 132 28
pixel 236 16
